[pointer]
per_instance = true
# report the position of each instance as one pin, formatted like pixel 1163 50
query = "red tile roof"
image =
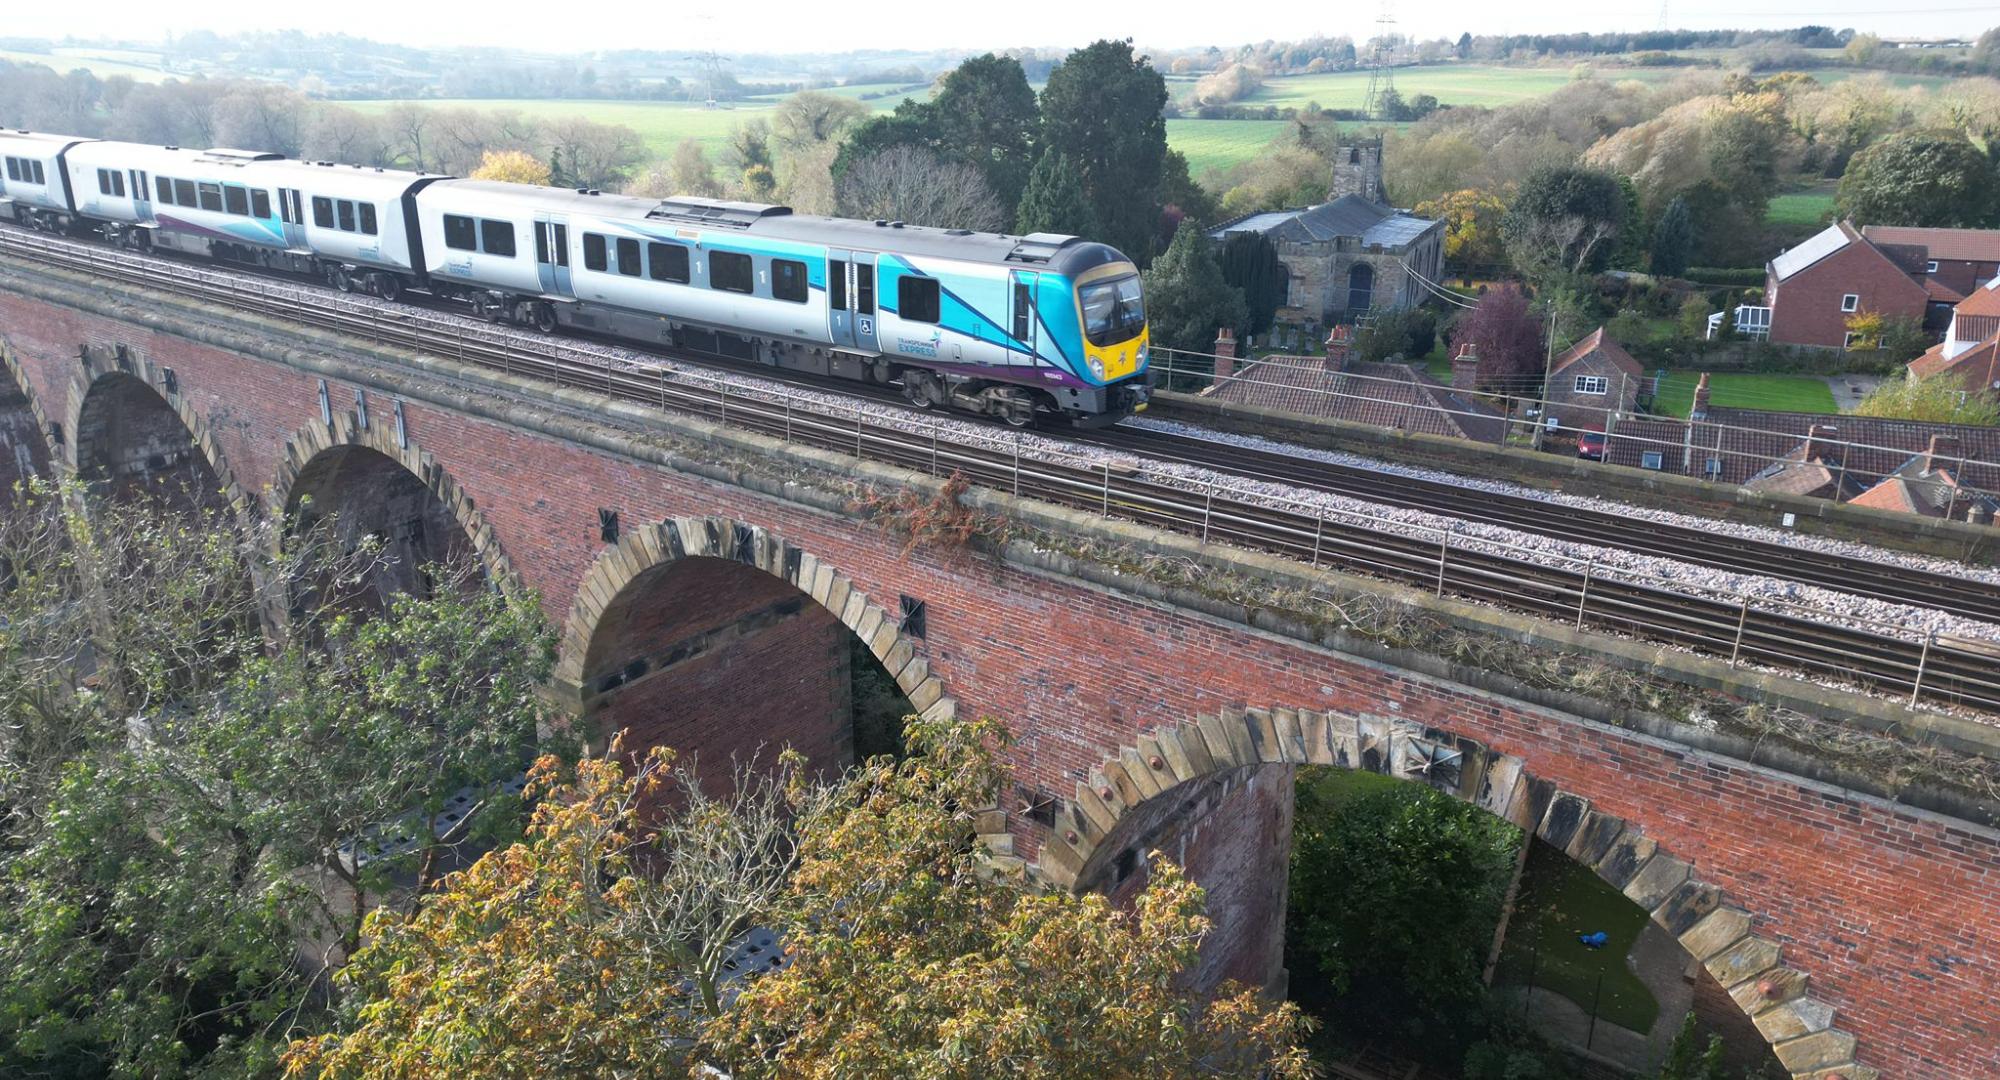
pixel 1596 342
pixel 1983 301
pixel 1891 494
pixel 1977 368
pixel 1965 245
pixel 1942 293
pixel 1385 395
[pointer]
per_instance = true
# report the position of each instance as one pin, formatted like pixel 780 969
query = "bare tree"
pixel 408 128
pixel 691 172
pixel 337 133
pixel 263 117
pixel 811 117
pixel 597 155
pixel 914 185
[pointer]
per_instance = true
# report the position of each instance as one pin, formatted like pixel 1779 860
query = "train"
pixel 1020 328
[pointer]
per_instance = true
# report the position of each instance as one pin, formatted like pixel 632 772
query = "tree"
pixel 1054 200
pixel 512 167
pixel 1181 199
pixel 1187 299
pixel 1921 178
pixel 1564 220
pixel 1471 219
pixel 1409 334
pixel 1394 895
pixel 597 945
pixel 1688 1059
pixel 908 961
pixel 1673 240
pixel 1250 263
pixel 811 117
pixel 1507 336
pixel 1938 400
pixel 1101 108
pixel 984 115
pixel 913 185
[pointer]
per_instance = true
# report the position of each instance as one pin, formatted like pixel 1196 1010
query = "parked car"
pixel 1590 444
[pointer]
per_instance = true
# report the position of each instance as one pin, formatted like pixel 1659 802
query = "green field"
pixel 1559 900
pixel 99 62
pixel 1782 393
pixel 1800 209
pixel 1451 84
pixel 1220 144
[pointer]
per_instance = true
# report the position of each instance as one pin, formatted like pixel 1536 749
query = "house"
pixel 1813 288
pixel 1835 456
pixel 1400 396
pixel 1970 352
pixel 1957 262
pixel 1595 376
pixel 1352 254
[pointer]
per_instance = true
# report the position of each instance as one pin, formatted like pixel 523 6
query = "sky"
pixel 806 25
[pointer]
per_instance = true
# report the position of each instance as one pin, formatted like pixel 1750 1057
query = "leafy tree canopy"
pixel 1187 298
pixel 1054 201
pixel 1101 108
pixel 1250 263
pixel 1565 219
pixel 1673 240
pixel 1921 178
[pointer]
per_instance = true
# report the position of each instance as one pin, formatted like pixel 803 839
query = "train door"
pixel 552 254
pixel 861 301
pixel 1025 325
pixel 292 215
pixel 839 319
pixel 142 196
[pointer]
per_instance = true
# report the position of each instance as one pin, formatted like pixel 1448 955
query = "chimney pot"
pixel 1945 447
pixel 1225 353
pixel 1700 407
pixel 1339 342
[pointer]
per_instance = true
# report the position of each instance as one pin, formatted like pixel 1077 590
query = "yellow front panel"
pixel 1119 360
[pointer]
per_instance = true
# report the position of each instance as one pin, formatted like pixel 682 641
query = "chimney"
pixel 1338 343
pixel 1700 409
pixel 1225 353
pixel 1822 442
pixel 1945 447
pixel 1465 368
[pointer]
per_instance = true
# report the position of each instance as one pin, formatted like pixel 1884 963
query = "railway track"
pixel 1854 576
pixel 1922 668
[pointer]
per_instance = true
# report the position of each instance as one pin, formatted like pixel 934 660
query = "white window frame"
pixel 1930 267
pixel 1652 459
pixel 1850 303
pixel 1584 384
pixel 1847 339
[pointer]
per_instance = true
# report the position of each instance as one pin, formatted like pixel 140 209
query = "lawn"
pixel 1221 144
pixel 1782 393
pixel 1800 209
pixel 1451 84
pixel 1561 899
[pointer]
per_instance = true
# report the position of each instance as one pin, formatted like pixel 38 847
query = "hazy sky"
pixel 799 25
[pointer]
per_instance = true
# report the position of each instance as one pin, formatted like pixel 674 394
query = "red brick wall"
pixel 1807 311
pixel 23 450
pixel 1892 912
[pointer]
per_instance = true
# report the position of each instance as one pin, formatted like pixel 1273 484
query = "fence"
pixel 1703 449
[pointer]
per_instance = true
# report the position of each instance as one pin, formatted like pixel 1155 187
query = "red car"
pixel 1590 444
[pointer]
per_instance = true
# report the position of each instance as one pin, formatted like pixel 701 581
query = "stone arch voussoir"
pixel 646 547
pixel 12 362
pixel 1721 935
pixel 346 430
pixel 96 363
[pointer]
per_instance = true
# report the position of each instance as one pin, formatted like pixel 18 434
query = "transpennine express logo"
pixel 919 347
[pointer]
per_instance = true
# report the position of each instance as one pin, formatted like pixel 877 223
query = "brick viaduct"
pixel 1861 936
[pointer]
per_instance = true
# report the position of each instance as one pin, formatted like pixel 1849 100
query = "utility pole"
pixel 1381 74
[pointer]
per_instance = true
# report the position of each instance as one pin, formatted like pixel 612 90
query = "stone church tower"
pixel 1357 170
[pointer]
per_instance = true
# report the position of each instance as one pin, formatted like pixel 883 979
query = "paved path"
pixel 1848 390
pixel 1661 964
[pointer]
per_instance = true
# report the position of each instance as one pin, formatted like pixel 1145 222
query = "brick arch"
pixel 15 372
pixel 97 365
pixel 1085 841
pixel 651 546
pixel 318 437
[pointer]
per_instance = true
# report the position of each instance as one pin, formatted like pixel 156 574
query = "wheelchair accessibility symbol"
pixel 867 325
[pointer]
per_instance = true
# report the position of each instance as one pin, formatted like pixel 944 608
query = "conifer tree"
pixel 1054 201
pixel 1187 299
pixel 1673 239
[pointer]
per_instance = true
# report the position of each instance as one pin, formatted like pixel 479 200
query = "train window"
pixel 368 218
pixel 628 256
pixel 40 177
pixel 917 299
pixel 211 196
pixel 459 232
pixel 13 168
pixel 731 272
pixel 236 199
pixel 104 181
pixel 788 280
pixel 496 237
pixel 593 251
pixel 165 189
pixel 260 203
pixel 118 184
pixel 344 210
pixel 864 289
pixel 1024 311
pixel 667 262
pixel 323 215
pixel 836 284
pixel 541 241
pixel 184 193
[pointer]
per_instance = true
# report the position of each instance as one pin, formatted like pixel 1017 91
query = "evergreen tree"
pixel 558 177
pixel 1054 201
pixel 1673 239
pixel 1923 178
pixel 1187 299
pixel 1102 107
pixel 1250 263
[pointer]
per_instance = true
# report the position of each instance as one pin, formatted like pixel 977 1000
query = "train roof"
pixel 40 139
pixel 1064 254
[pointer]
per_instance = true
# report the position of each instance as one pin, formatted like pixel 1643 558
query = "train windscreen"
pixel 1113 311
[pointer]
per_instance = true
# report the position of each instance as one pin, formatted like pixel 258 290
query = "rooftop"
pixel 1348 216
pixel 1965 245
pixel 1398 396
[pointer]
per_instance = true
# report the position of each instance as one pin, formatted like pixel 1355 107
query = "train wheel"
pixel 341 280
pixel 916 389
pixel 388 286
pixel 544 317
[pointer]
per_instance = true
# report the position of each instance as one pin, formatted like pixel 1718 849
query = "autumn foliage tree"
pixel 1507 336
pixel 512 167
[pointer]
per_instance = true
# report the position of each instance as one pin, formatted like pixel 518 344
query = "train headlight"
pixel 1096 366
pixel 1143 357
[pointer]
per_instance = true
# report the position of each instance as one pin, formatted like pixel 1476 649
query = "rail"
pixel 1877 656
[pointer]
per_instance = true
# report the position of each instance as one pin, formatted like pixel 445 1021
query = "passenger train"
pixel 1005 326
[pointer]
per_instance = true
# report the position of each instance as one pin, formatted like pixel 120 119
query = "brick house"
pixel 1352 254
pixel 1594 376
pixel 1956 261
pixel 1335 387
pixel 1814 287
pixel 1970 351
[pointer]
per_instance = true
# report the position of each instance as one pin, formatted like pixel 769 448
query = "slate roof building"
pixel 1812 288
pixel 1352 254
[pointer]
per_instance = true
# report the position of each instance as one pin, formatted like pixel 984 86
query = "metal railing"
pixel 1450 561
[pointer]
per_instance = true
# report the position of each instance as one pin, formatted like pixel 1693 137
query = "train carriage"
pixel 34 189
